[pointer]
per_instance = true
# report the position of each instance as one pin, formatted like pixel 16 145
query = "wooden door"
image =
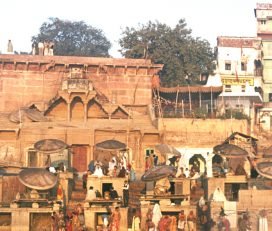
pixel 80 158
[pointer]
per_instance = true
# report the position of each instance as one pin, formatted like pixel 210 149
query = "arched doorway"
pixel 198 163
pixel 218 166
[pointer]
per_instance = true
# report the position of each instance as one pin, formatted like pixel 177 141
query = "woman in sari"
pixel 115 220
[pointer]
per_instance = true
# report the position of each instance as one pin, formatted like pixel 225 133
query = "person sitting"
pixel 112 164
pixel 187 172
pixel 122 172
pixel 113 194
pixel 98 170
pixel 174 160
pixel 162 186
pixel 114 172
pixel 180 173
pixel 91 195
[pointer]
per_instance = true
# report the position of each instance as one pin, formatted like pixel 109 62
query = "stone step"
pixel 78 195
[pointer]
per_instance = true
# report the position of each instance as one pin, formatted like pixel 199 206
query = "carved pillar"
pixel 85 112
pixel 69 112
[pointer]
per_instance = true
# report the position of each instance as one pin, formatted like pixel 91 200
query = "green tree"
pixel 73 38
pixel 183 56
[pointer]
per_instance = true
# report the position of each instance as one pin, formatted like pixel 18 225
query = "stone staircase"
pixel 142 121
pixel 78 194
pixel 135 189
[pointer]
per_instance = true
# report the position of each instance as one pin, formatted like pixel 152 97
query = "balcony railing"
pixel 77 85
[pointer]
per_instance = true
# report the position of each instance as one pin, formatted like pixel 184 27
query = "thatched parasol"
pixel 264 168
pixel 37 178
pixel 50 145
pixel 35 115
pixel 158 172
pixel 31 113
pixel 230 150
pixel 111 145
pixel 165 149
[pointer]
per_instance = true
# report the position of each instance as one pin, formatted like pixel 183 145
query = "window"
pixel 243 66
pixel 263 22
pixel 228 66
pixel 32 158
pixel 149 152
pixel 227 88
pixel 270 97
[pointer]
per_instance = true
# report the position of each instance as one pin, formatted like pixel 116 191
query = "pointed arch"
pixel 57 109
pixel 77 109
pixel 95 110
pixel 119 113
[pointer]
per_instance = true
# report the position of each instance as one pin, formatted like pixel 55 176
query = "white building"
pixel 240 68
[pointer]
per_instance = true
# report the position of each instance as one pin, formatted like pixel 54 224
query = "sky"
pixel 208 19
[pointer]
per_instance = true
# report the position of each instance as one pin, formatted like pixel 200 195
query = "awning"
pixel 165 149
pixel 230 150
pixel 50 145
pixel 31 113
pixel 158 172
pixel 37 178
pixel 111 145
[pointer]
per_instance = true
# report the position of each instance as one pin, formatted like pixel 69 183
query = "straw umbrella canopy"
pixel 50 145
pixel 264 168
pixel 230 150
pixel 110 145
pixel 164 150
pixel 158 172
pixel 37 178
pixel 33 114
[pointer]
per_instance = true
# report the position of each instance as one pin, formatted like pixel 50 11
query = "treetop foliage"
pixel 73 38
pixel 183 56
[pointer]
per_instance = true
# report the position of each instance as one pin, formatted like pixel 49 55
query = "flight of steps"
pixel 78 194
pixel 142 120
pixel 135 188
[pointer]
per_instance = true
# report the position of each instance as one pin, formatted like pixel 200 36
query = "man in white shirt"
pixel 90 194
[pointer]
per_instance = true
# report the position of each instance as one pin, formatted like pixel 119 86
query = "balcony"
pixel 77 85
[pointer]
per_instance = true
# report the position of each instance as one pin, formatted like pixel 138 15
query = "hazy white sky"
pixel 21 19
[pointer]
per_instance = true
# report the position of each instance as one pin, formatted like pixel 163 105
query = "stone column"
pixel 68 112
pixel 85 112
pixel 1 188
pixel 124 219
pixel 20 220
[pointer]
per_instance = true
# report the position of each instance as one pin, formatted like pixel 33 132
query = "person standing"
pixel 10 47
pixel 191 219
pixel 125 193
pixel 51 48
pixel 181 221
pixel 136 221
pixel 34 48
pixel 46 48
pixel 40 47
pixel 115 220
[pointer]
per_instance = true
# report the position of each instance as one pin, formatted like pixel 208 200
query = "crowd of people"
pixel 70 221
pixel 43 48
pixel 116 167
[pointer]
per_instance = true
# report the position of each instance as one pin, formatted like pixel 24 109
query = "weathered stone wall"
pixel 199 132
pixel 26 79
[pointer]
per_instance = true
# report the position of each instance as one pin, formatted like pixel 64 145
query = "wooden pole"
pixel 211 101
pixel 190 100
pixel 182 107
pixel 176 107
pixel 200 103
